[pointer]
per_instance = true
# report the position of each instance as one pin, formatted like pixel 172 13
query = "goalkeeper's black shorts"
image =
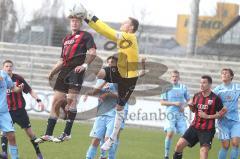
pixel 125 85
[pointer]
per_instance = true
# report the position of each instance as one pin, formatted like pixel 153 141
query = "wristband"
pixel 38 100
pixel 85 66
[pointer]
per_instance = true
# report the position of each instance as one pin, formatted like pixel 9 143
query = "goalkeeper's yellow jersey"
pixel 127 48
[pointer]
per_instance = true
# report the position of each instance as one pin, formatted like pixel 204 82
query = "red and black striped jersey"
pixel 210 105
pixel 15 100
pixel 74 48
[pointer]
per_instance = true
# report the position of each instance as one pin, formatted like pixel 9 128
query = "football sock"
pixel 177 155
pixel 13 152
pixel 222 153
pixel 4 142
pixel 234 153
pixel 113 150
pixel 50 126
pixel 91 153
pixel 70 119
pixel 35 145
pixel 168 143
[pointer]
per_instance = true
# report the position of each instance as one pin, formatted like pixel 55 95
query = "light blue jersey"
pixel 229 95
pixel 178 93
pixel 5 83
pixel 175 120
pixel 107 107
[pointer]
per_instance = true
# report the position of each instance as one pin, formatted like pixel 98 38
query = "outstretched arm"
pixel 102 28
pixel 39 101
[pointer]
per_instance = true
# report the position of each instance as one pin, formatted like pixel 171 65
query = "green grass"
pixel 136 143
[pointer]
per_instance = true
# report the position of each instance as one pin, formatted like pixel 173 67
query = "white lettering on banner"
pixel 144 112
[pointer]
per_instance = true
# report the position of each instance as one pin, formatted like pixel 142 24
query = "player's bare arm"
pixel 18 88
pixel 94 91
pixel 218 115
pixel 38 100
pixel 90 57
pixel 56 69
pixel 168 103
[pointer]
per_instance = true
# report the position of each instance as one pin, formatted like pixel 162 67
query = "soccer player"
pixel 6 124
pixel 207 106
pixel 103 125
pixel 73 63
pixel 125 74
pixel 16 106
pixel 175 99
pixel 229 125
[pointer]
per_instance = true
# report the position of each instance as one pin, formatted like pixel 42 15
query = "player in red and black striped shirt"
pixel 78 50
pixel 207 107
pixel 16 106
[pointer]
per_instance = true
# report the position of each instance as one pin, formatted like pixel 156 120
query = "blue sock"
pixel 234 153
pixel 222 153
pixel 91 153
pixel 113 150
pixel 13 152
pixel 168 143
pixel 103 153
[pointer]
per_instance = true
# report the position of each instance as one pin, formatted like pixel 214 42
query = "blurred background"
pixel 194 36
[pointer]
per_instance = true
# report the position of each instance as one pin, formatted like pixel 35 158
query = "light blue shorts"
pixel 6 124
pixel 228 129
pixel 102 127
pixel 175 122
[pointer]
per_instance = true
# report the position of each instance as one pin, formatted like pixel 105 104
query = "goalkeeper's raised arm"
pixel 128 26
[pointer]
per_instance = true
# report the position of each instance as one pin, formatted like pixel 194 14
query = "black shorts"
pixel 125 85
pixel 67 79
pixel 20 117
pixel 193 136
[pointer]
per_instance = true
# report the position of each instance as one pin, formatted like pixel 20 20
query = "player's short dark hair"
pixel 230 71
pixel 112 57
pixel 135 24
pixel 209 78
pixel 7 61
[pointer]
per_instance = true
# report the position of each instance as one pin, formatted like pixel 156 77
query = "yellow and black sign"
pixel 208 26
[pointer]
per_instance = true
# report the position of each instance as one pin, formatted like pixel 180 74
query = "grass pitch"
pixel 135 143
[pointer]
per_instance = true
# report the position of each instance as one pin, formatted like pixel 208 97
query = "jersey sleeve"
pixel 238 89
pixel 216 90
pixel 103 29
pixel 163 96
pixel 219 104
pixel 186 93
pixel 90 42
pixel 194 102
pixel 26 89
pixel 63 40
pixel 8 81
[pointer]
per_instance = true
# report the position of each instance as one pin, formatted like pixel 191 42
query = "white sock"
pixel 117 124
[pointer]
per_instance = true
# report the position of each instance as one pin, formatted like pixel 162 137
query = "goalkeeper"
pixel 125 74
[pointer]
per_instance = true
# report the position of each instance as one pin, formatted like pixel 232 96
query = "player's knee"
pixel 204 149
pixel 11 138
pixel 169 135
pixel 179 146
pixel 95 142
pixel 235 143
pixel 225 145
pixel 72 101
